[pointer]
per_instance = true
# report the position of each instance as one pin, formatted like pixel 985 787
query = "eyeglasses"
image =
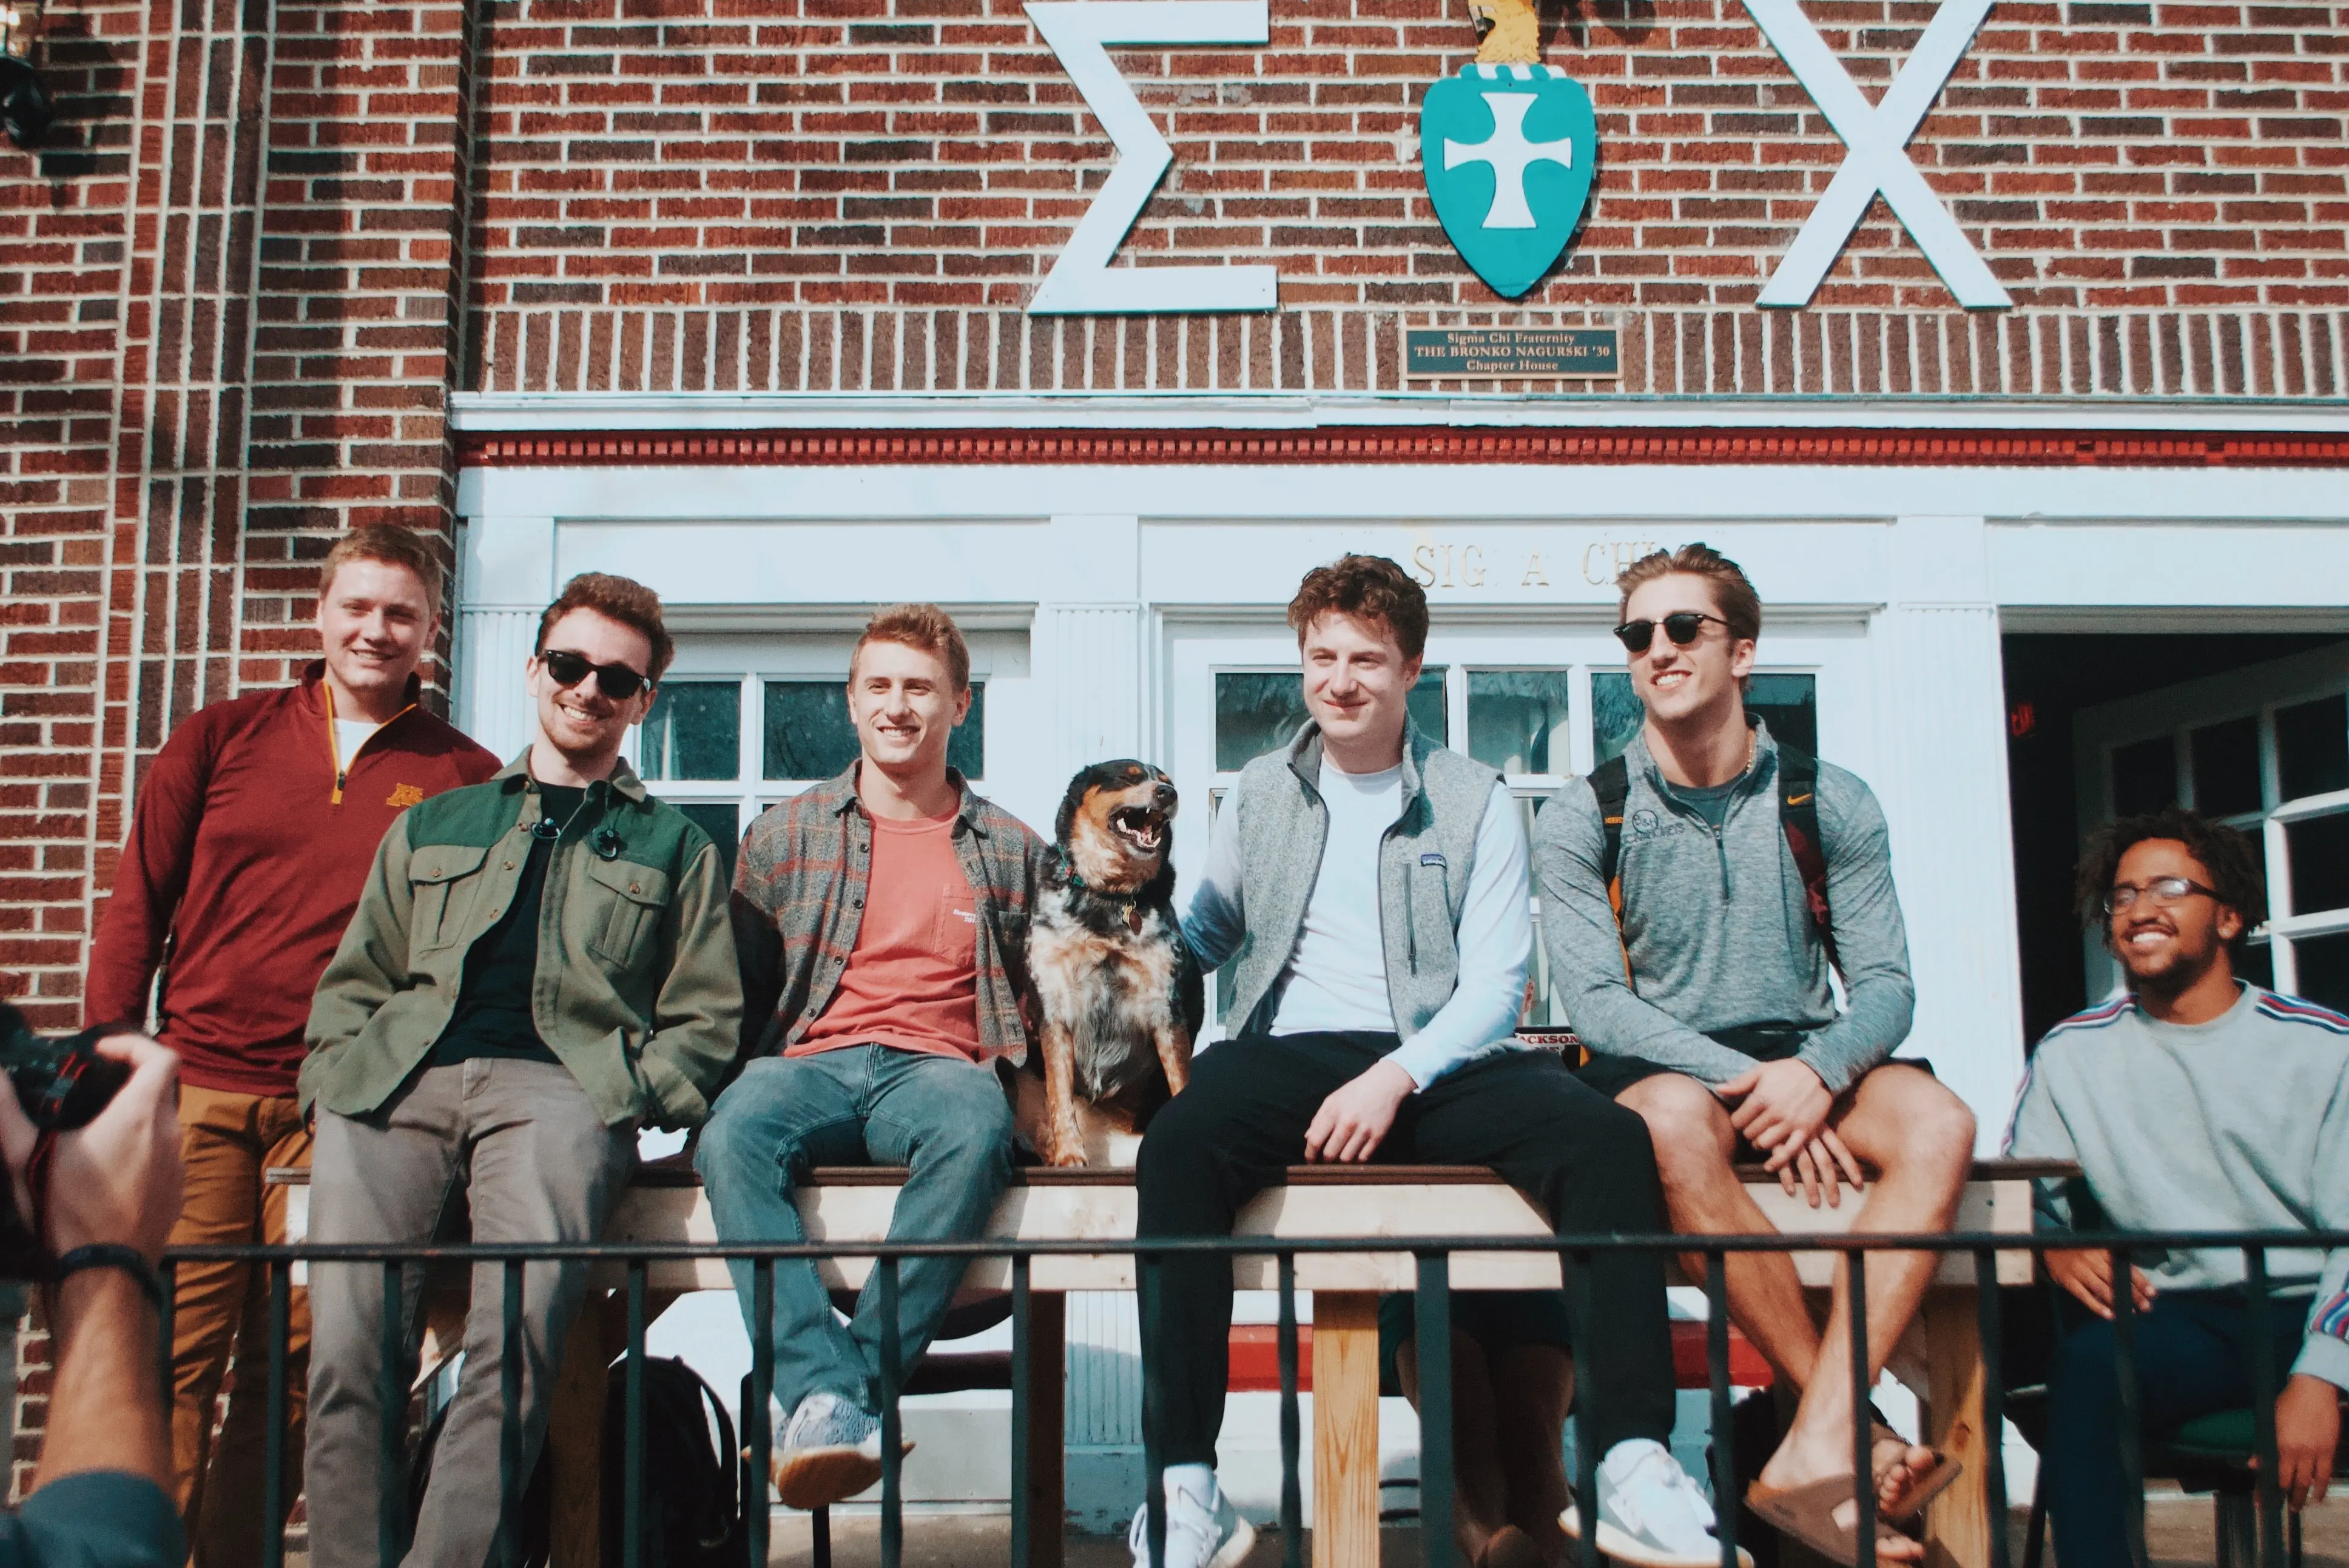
pixel 2162 890
pixel 1681 626
pixel 618 682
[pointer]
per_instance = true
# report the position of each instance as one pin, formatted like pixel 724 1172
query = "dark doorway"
pixel 2050 678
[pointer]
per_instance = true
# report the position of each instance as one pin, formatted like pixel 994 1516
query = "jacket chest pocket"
pixel 444 882
pixel 623 916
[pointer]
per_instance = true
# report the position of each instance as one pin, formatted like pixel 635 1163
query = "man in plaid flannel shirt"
pixel 882 924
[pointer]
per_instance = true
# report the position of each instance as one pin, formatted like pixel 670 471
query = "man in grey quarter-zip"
pixel 1695 960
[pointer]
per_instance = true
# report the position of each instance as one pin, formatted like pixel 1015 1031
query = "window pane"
pixel 2324 964
pixel 2318 853
pixel 2226 767
pixel 1615 714
pixel 2313 746
pixel 2256 964
pixel 694 731
pixel 808 734
pixel 719 821
pixel 1789 705
pixel 1516 719
pixel 1258 711
pixel 2145 776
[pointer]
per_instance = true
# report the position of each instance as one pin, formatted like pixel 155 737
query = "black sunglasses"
pixel 618 682
pixel 1681 626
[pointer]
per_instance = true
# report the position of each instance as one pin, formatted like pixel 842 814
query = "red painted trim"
pixel 1255 1358
pixel 853 449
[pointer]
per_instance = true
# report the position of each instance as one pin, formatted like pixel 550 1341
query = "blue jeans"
pixel 2193 1358
pixel 946 1118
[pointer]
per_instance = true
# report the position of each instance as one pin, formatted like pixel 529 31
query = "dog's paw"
pixel 1064 1146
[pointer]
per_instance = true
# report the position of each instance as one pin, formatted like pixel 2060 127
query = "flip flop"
pixel 1807 1513
pixel 1925 1487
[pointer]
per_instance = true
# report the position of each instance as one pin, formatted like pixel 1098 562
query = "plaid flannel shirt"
pixel 799 901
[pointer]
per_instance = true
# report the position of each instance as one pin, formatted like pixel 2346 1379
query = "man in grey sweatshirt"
pixel 1703 997
pixel 2198 1103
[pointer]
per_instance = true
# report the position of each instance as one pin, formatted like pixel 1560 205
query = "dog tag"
pixel 1133 918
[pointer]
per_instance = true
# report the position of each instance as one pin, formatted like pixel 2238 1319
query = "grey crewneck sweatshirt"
pixel 1716 926
pixel 2241 1123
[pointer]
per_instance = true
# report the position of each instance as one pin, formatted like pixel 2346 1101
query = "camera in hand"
pixel 60 1079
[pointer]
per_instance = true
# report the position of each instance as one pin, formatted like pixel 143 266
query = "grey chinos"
pixel 537 1163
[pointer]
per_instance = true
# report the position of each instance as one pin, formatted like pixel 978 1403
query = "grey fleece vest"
pixel 1423 865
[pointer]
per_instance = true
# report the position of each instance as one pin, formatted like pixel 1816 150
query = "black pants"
pixel 1242 1120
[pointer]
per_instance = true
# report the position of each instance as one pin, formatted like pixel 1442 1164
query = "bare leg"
pixel 1919 1137
pixel 1479 1497
pixel 1532 1387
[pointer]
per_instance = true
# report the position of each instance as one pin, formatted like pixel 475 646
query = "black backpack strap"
pixel 1799 813
pixel 1611 783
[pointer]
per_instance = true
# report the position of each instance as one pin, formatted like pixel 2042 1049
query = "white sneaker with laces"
pixel 1650 1512
pixel 1201 1531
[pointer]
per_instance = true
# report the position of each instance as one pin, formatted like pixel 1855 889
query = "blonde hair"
pixel 923 626
pixel 393 546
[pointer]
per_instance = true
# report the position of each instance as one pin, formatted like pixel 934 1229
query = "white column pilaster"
pixel 1089 634
pixel 1941 706
pixel 505 578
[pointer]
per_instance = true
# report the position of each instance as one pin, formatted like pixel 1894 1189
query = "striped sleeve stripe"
pixel 2292 1010
pixel 2093 1018
pixel 2333 1320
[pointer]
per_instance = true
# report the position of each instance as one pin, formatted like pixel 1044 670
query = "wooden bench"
pixel 1941 1360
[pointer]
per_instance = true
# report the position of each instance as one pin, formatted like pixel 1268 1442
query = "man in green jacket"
pixel 539 965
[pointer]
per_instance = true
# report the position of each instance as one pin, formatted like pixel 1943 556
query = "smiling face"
pixel 579 721
pixel 375 620
pixel 1116 824
pixel 1685 685
pixel 905 703
pixel 2169 946
pixel 1357 688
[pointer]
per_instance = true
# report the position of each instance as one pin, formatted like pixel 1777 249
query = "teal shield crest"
pixel 1509 151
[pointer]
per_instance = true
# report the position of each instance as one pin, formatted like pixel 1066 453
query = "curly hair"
pixel 621 599
pixel 2229 860
pixel 1369 587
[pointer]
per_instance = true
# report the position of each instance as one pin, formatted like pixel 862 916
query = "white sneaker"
pixel 827 1452
pixel 1651 1512
pixel 1201 1531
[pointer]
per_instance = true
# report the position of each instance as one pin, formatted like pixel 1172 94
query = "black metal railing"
pixel 1433 1255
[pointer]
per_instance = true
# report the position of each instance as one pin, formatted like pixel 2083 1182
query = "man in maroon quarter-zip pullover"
pixel 253 832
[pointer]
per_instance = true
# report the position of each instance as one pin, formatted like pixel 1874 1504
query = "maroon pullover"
pixel 249 851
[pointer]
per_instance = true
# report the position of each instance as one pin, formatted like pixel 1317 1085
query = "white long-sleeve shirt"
pixel 1337 978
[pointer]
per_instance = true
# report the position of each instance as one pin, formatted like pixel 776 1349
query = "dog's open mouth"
pixel 1141 828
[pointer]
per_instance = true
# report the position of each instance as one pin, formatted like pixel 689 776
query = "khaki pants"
pixel 524 1143
pixel 220 1320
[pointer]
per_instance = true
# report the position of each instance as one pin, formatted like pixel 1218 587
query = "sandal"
pixel 1925 1487
pixel 1806 1514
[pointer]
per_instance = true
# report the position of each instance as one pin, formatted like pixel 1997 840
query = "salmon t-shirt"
pixel 912 979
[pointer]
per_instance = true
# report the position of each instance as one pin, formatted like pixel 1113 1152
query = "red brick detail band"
pixel 827 449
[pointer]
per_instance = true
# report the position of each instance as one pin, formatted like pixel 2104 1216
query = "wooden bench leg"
pixel 574 1438
pixel 1345 1428
pixel 1047 1407
pixel 1958 1523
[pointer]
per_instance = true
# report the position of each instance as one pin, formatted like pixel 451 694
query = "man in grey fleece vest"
pixel 1370 888
pixel 1707 1009
pixel 2194 1103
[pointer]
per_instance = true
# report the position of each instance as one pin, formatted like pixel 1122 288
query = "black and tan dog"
pixel 1120 992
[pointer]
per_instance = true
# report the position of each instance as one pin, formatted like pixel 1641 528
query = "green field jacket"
pixel 638 992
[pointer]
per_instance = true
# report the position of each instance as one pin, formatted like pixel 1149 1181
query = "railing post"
pixel 272 1480
pixel 166 1328
pixel 1433 1316
pixel 2263 1403
pixel 1292 1442
pixel 632 1491
pixel 510 1479
pixel 1991 1325
pixel 893 1507
pixel 1586 1444
pixel 1726 1498
pixel 1023 1331
pixel 1863 1437
pixel 756 1512
pixel 1153 1469
pixel 391 1419
pixel 2130 1433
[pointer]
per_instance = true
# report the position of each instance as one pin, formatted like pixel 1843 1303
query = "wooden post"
pixel 1958 1523
pixel 1345 1428
pixel 575 1435
pixel 1047 1454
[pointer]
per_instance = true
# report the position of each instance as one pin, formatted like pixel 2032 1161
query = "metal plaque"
pixel 1509 353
